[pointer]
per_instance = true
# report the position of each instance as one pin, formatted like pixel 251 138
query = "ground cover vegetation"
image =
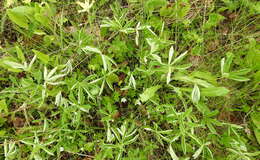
pixel 129 79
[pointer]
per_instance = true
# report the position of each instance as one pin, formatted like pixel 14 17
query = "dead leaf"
pixel 18 122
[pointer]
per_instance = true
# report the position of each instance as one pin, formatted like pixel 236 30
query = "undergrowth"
pixel 129 79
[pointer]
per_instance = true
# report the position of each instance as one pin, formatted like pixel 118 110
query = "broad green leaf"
pixel 43 57
pixel 214 91
pixel 44 20
pixel 24 10
pixel 3 106
pixel 18 19
pixel 149 93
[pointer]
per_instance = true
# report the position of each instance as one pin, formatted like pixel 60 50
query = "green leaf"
pixel 179 58
pixel 18 19
pixel 237 77
pixel 255 117
pixel 228 62
pixel 257 134
pixel 14 64
pixel 153 44
pixel 172 153
pixel 241 72
pixel 195 95
pixel 206 76
pixel 198 152
pixel 213 20
pixel 3 106
pixel 183 144
pixel 157 58
pixel 149 93
pixel 46 150
pixel 43 57
pixel 91 49
pixel 151 5
pixel 20 54
pixel 4 62
pixel 189 79
pixel 44 20
pixel 171 52
pixel 214 91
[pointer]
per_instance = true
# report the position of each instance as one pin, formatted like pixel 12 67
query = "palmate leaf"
pixel 50 78
pixel 86 6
